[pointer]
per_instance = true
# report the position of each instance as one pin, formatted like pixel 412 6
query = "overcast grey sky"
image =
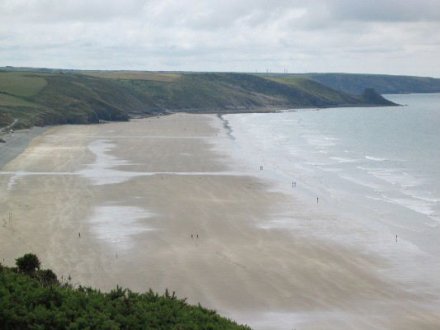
pixel 372 36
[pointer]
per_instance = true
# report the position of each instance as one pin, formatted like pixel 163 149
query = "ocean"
pixel 373 171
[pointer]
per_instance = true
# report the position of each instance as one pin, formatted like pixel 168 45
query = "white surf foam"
pixel 394 176
pixel 375 159
pixel 342 160
pixel 320 140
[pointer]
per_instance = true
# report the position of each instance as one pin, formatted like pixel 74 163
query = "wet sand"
pixel 16 143
pixel 117 204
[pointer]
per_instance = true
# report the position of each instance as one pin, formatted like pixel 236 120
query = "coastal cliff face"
pixel 371 96
pixel 47 97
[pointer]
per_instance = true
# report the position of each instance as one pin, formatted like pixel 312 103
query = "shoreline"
pixel 137 191
pixel 360 224
pixel 17 142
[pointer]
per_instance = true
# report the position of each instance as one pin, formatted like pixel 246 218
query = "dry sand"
pixel 137 191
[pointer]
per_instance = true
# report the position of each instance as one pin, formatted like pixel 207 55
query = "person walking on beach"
pixel 317 200
pixel 396 238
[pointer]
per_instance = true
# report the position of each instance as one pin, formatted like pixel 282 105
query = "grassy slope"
pixel 324 93
pixel 42 97
pixel 221 91
pixel 21 83
pixel 29 302
pixel 134 75
pixel 383 84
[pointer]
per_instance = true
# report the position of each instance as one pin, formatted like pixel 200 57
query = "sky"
pixel 357 36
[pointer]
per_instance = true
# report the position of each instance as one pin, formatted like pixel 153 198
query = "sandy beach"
pixel 152 203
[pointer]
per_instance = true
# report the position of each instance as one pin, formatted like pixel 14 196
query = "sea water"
pixel 375 171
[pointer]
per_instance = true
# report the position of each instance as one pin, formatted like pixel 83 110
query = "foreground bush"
pixel 28 263
pixel 37 301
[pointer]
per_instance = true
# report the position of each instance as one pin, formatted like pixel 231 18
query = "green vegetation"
pixel 21 83
pixel 383 84
pixel 62 99
pixel 134 75
pixel 12 101
pixel 28 264
pixel 370 95
pixel 46 97
pixel 311 88
pixel 31 298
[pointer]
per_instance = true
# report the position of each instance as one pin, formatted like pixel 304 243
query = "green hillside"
pixel 31 298
pixel 45 97
pixel 313 89
pixel 383 84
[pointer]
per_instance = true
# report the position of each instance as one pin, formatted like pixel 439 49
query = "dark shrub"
pixel 28 263
pixel 47 277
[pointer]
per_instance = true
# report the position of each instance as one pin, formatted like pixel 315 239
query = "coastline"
pixel 137 191
pixel 17 142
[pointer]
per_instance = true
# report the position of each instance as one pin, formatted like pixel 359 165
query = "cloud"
pixel 386 11
pixel 70 10
pixel 387 36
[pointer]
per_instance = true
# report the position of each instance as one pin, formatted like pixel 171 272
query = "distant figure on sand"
pixel 192 236
pixel 293 184
pixel 79 235
pixel 396 238
pixel 317 200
